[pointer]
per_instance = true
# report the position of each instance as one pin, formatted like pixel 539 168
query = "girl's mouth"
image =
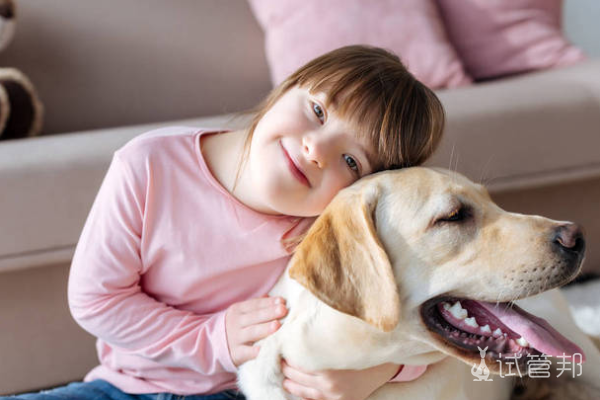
pixel 294 169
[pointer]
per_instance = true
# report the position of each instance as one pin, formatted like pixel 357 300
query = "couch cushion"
pixel 100 64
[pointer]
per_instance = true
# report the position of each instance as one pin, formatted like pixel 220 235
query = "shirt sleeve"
pixel 105 296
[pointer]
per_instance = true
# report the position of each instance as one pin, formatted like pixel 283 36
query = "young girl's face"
pixel 302 154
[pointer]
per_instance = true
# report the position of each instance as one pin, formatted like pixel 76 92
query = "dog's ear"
pixel 342 262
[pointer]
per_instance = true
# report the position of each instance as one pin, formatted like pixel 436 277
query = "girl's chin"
pixel 288 198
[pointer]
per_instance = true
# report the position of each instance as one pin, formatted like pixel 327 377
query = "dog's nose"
pixel 569 238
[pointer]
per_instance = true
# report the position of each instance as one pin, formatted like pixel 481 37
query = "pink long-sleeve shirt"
pixel 164 251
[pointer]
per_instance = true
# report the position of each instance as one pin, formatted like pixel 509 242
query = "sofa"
pixel 108 71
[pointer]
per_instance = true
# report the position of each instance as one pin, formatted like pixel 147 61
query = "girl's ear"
pixel 342 262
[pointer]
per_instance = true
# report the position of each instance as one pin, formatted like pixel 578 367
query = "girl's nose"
pixel 316 149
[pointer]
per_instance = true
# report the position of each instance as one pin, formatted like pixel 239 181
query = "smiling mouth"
pixel 506 330
pixel 296 172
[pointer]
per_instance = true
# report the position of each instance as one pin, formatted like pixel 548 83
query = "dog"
pixel 420 267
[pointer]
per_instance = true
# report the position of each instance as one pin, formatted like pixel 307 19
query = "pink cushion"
pixel 502 37
pixel 297 31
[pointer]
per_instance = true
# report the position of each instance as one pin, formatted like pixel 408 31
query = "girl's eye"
pixel 319 112
pixel 352 164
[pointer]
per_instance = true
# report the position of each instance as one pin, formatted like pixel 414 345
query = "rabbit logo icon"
pixel 481 372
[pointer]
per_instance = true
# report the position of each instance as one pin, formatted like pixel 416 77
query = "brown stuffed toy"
pixel 21 111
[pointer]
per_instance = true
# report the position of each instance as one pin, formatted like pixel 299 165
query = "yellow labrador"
pixel 420 267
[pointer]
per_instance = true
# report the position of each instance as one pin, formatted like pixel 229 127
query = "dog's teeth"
pixel 447 306
pixel 522 342
pixel 458 312
pixel 497 333
pixel 485 329
pixel 472 322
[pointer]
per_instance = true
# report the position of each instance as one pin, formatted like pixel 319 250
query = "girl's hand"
pixel 249 321
pixel 336 384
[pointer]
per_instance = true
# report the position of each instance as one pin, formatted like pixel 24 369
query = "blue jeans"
pixel 102 390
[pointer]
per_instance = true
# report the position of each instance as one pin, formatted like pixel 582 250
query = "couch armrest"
pixel 48 187
pixel 532 130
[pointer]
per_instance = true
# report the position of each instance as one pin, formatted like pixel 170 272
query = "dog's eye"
pixel 458 215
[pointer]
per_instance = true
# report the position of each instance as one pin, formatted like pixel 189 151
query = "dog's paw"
pixel 257 383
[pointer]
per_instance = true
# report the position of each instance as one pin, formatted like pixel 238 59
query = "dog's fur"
pixel 381 249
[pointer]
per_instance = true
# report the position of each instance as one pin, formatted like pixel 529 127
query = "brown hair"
pixel 373 90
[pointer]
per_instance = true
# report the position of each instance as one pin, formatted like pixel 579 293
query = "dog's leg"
pixel 261 378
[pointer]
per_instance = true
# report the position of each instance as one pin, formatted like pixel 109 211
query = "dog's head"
pixel 427 251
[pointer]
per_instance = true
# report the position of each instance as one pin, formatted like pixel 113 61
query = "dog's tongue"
pixel 536 331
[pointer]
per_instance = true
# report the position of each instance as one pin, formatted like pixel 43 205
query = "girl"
pixel 189 229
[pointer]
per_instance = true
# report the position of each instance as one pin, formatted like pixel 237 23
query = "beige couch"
pixel 103 68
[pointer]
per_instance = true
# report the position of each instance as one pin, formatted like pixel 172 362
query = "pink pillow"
pixel 503 37
pixel 297 31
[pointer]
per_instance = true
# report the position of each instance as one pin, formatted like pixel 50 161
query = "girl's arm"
pixel 105 296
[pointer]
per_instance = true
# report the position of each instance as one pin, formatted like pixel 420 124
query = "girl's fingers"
pixel 300 390
pixel 252 305
pixel 297 375
pixel 262 315
pixel 257 332
pixel 246 353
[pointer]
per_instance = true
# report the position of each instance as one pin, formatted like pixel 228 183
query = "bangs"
pixel 368 112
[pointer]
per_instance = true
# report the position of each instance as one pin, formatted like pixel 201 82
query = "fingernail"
pixel 279 300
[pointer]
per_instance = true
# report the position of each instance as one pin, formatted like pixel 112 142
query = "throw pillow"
pixel 502 37
pixel 297 31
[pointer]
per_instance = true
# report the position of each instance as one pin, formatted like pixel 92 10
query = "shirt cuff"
pixel 222 349
pixel 409 373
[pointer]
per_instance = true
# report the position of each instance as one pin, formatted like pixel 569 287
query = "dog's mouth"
pixel 504 330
